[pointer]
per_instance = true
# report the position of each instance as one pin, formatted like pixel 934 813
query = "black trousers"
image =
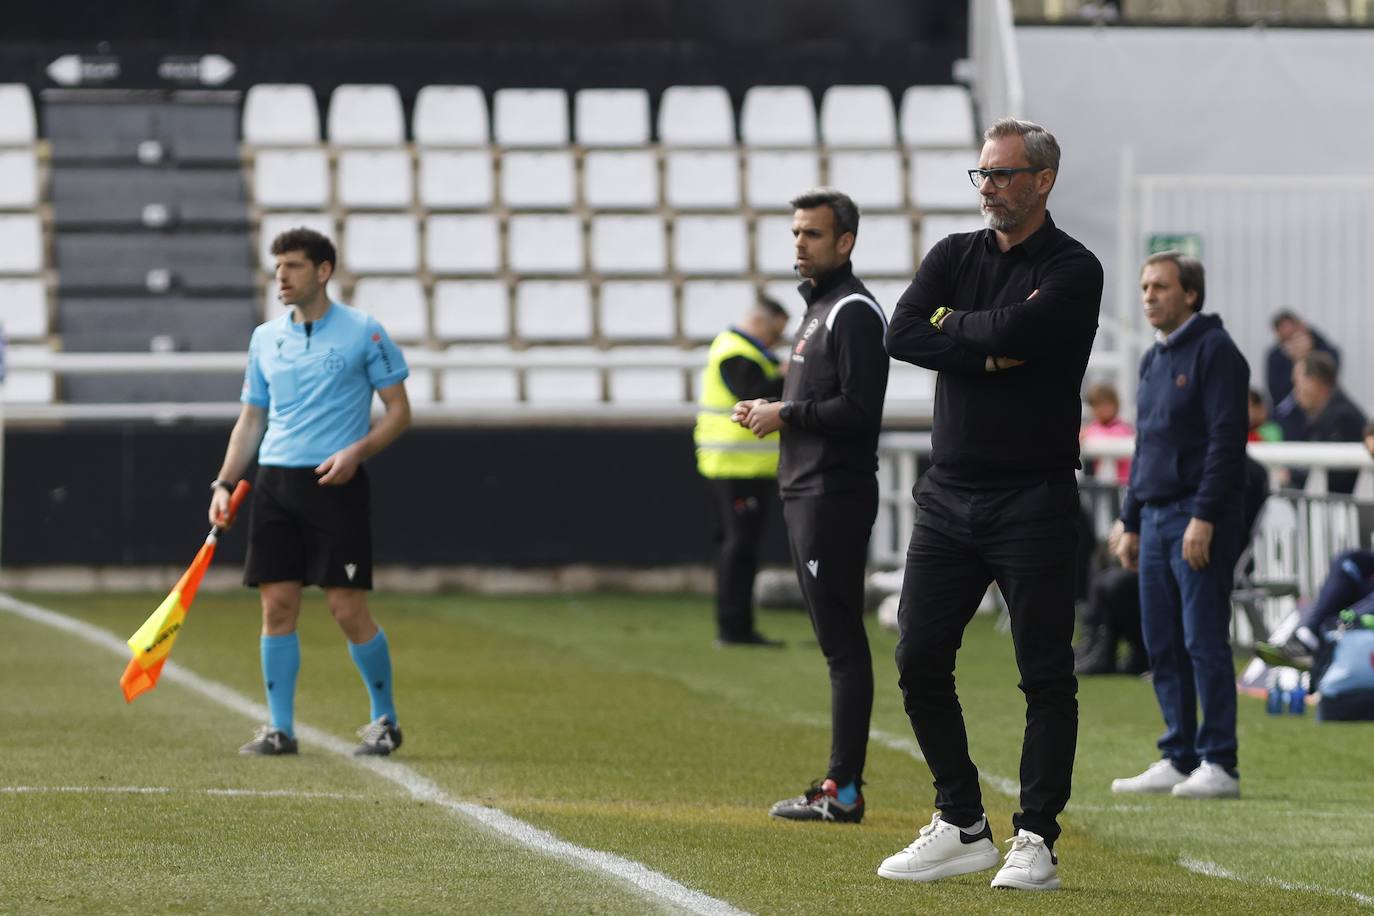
pixel 742 507
pixel 829 540
pixel 1024 539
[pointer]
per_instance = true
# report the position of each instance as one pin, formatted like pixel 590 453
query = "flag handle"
pixel 235 501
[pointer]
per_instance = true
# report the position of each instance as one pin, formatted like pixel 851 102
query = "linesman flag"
pixel 153 642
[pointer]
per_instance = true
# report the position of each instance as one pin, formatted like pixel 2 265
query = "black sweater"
pixel 833 394
pixel 1020 425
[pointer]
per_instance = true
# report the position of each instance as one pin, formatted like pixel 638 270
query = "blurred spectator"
pixel 1106 424
pixel 1319 410
pixel 1262 429
pixel 1350 580
pixel 1293 340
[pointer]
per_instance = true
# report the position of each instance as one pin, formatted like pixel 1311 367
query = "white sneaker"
pixel 1161 777
pixel 1030 865
pixel 941 850
pixel 1208 781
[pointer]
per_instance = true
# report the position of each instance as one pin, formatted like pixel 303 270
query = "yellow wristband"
pixel 938 315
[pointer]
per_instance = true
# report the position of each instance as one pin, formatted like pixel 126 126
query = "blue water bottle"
pixel 1297 699
pixel 1273 704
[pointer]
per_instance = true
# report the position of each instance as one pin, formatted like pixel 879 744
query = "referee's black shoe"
pixel 820 803
pixel 269 742
pixel 749 639
pixel 379 737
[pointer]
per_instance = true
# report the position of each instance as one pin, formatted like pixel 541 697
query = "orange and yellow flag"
pixel 153 641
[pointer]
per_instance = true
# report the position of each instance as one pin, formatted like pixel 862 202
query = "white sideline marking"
pixel 648 882
pixel 164 790
pixel 1213 870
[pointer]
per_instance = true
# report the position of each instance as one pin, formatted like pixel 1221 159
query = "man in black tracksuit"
pixel 1007 316
pixel 830 416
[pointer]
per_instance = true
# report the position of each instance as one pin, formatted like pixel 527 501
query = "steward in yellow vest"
pixel 740 469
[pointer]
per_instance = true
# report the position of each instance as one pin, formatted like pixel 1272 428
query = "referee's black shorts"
pixel 302 532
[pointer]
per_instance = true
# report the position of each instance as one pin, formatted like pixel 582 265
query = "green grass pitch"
pixel 612 722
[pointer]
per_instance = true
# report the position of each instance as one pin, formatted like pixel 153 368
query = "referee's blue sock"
pixel 373 659
pixel 281 661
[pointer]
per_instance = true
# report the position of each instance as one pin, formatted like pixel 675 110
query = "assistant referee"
pixel 307 398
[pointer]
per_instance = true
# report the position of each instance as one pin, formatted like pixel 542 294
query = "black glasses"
pixel 1001 178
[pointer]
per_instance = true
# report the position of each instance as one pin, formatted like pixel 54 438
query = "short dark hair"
pixel 316 245
pixel 1281 316
pixel 773 307
pixel 1320 366
pixel 846 213
pixel 1191 276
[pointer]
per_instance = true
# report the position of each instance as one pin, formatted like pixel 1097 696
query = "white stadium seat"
pixel 710 245
pixel 18 124
pixel 873 178
pixel 531 117
pixel 281 114
pixel 939 180
pixel 611 117
pixel 21 244
pixel 477 385
pixel 291 178
pixel 937 116
pixel 274 224
pixel 638 310
pixel 366 115
pixel 471 310
pixel 467 244
pixel 884 246
pixel 858 117
pixel 384 243
pixel 711 306
pixel 774 177
pixel 887 290
pixel 455 179
pixel 451 116
pixel 538 180
pixel 696 116
pixel 774 252
pixel 420 386
pixel 29 386
pixel 628 245
pixel 398 303
pixel 620 180
pixel 784 293
pixel 562 387
pixel 664 384
pixel 544 244
pixel 702 180
pixel 375 180
pixel 778 116
pixel 23 309
pixel 18 179
pixel 934 228
pixel 906 382
pixel 553 310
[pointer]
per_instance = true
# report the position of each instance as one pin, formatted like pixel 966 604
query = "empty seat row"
pixel 615 245
pixel 701 116
pixel 131 198
pixel 610 180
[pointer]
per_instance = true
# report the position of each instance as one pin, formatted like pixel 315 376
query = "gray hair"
pixel 1191 276
pixel 1042 150
pixel 846 213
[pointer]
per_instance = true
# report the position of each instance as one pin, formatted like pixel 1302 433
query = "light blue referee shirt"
pixel 316 381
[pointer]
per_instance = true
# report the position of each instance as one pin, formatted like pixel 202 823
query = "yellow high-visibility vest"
pixel 726 449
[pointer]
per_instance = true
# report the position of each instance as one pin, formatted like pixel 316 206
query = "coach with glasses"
pixel 1006 316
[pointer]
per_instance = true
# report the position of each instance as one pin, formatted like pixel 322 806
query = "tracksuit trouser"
pixel 742 507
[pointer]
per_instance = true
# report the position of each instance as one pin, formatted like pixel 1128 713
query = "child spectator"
pixel 1106 424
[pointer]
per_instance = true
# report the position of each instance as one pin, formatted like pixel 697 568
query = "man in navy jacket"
pixel 1181 525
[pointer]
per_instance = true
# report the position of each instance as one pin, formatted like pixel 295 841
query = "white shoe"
pixel 1208 781
pixel 1030 865
pixel 941 850
pixel 1161 777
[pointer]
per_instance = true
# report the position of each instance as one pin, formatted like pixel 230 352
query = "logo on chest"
pixel 334 362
